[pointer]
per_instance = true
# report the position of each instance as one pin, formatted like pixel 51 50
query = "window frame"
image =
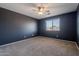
pixel 52 25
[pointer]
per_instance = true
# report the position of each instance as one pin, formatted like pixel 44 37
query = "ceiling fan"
pixel 42 9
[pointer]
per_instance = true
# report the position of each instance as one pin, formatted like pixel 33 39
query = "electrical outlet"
pixel 24 36
pixel 56 36
pixel 32 34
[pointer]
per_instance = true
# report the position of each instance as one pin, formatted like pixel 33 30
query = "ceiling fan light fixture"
pixel 41 10
pixel 40 13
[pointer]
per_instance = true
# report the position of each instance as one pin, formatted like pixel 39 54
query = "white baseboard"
pixel 77 45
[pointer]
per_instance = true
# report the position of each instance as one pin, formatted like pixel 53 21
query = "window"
pixel 53 25
pixel 49 25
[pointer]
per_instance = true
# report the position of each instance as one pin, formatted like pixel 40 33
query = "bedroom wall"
pixel 78 25
pixel 14 26
pixel 67 27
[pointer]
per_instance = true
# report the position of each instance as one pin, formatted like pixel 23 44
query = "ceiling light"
pixel 41 10
pixel 40 13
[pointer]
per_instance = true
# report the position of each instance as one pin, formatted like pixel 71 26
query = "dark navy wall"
pixel 78 25
pixel 67 27
pixel 14 26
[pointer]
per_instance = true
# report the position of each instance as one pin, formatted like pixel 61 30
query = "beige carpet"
pixel 40 46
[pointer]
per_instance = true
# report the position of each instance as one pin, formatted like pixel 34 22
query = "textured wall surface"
pixel 14 26
pixel 67 27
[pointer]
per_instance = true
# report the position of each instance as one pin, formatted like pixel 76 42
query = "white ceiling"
pixel 27 8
